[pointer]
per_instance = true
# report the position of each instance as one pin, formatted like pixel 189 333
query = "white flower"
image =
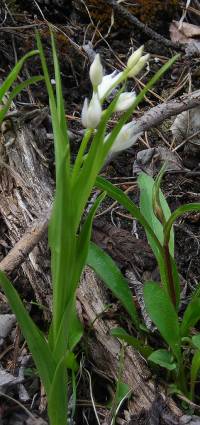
pixel 125 139
pixel 134 58
pixel 91 114
pixel 125 100
pixel 108 84
pixel 96 71
pixel 138 67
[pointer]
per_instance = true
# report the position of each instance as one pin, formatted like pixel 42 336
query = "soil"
pixel 82 28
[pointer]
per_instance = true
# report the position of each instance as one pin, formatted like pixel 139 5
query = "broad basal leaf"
pixel 163 314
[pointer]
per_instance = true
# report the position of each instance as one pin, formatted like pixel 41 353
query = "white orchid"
pixel 109 82
pixel 126 138
pixel 91 114
pixel 134 58
pixel 125 100
pixel 96 71
pixel 139 66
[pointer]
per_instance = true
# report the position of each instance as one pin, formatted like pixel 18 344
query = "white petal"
pixel 84 113
pixel 125 139
pixel 134 58
pixel 94 112
pixel 125 100
pixel 139 66
pixel 96 71
pixel 105 88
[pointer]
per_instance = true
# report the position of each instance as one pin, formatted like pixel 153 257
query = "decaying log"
pixel 26 191
pixel 105 352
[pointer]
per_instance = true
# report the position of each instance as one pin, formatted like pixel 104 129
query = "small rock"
pixel 7 321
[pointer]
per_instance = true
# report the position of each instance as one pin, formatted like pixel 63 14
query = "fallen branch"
pixel 124 13
pixel 19 253
pixel 155 116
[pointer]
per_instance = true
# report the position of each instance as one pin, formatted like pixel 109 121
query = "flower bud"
pixel 126 138
pixel 91 114
pixel 125 100
pixel 139 66
pixel 96 71
pixel 134 58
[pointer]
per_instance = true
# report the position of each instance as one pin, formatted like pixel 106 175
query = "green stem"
pixel 181 379
pixel 79 158
pixel 170 280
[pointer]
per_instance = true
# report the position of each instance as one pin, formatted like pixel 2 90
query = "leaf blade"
pixel 163 314
pixel 105 267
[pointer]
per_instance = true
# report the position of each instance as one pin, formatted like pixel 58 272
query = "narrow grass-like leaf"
pixel 163 358
pixel 16 91
pixel 120 333
pixel 163 315
pixel 14 73
pixel 59 97
pixel 37 344
pixel 194 372
pixel 107 270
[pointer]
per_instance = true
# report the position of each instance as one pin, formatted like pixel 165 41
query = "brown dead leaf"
pixel 185 33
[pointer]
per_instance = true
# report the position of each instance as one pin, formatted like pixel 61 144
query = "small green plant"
pixel 180 354
pixel 69 230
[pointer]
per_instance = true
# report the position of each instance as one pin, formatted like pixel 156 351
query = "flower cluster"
pixel 103 86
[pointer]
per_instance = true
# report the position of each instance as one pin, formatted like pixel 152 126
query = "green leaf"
pixel 123 199
pixel 83 240
pixel 196 341
pixel 71 362
pixel 37 344
pixel 122 391
pixel 16 91
pixel 69 332
pixel 163 314
pixel 14 73
pixel 191 316
pixel 178 213
pixel 62 240
pixel 120 333
pixel 146 185
pixel 194 372
pixel 107 270
pixel 59 95
pixel 57 399
pixel 163 358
